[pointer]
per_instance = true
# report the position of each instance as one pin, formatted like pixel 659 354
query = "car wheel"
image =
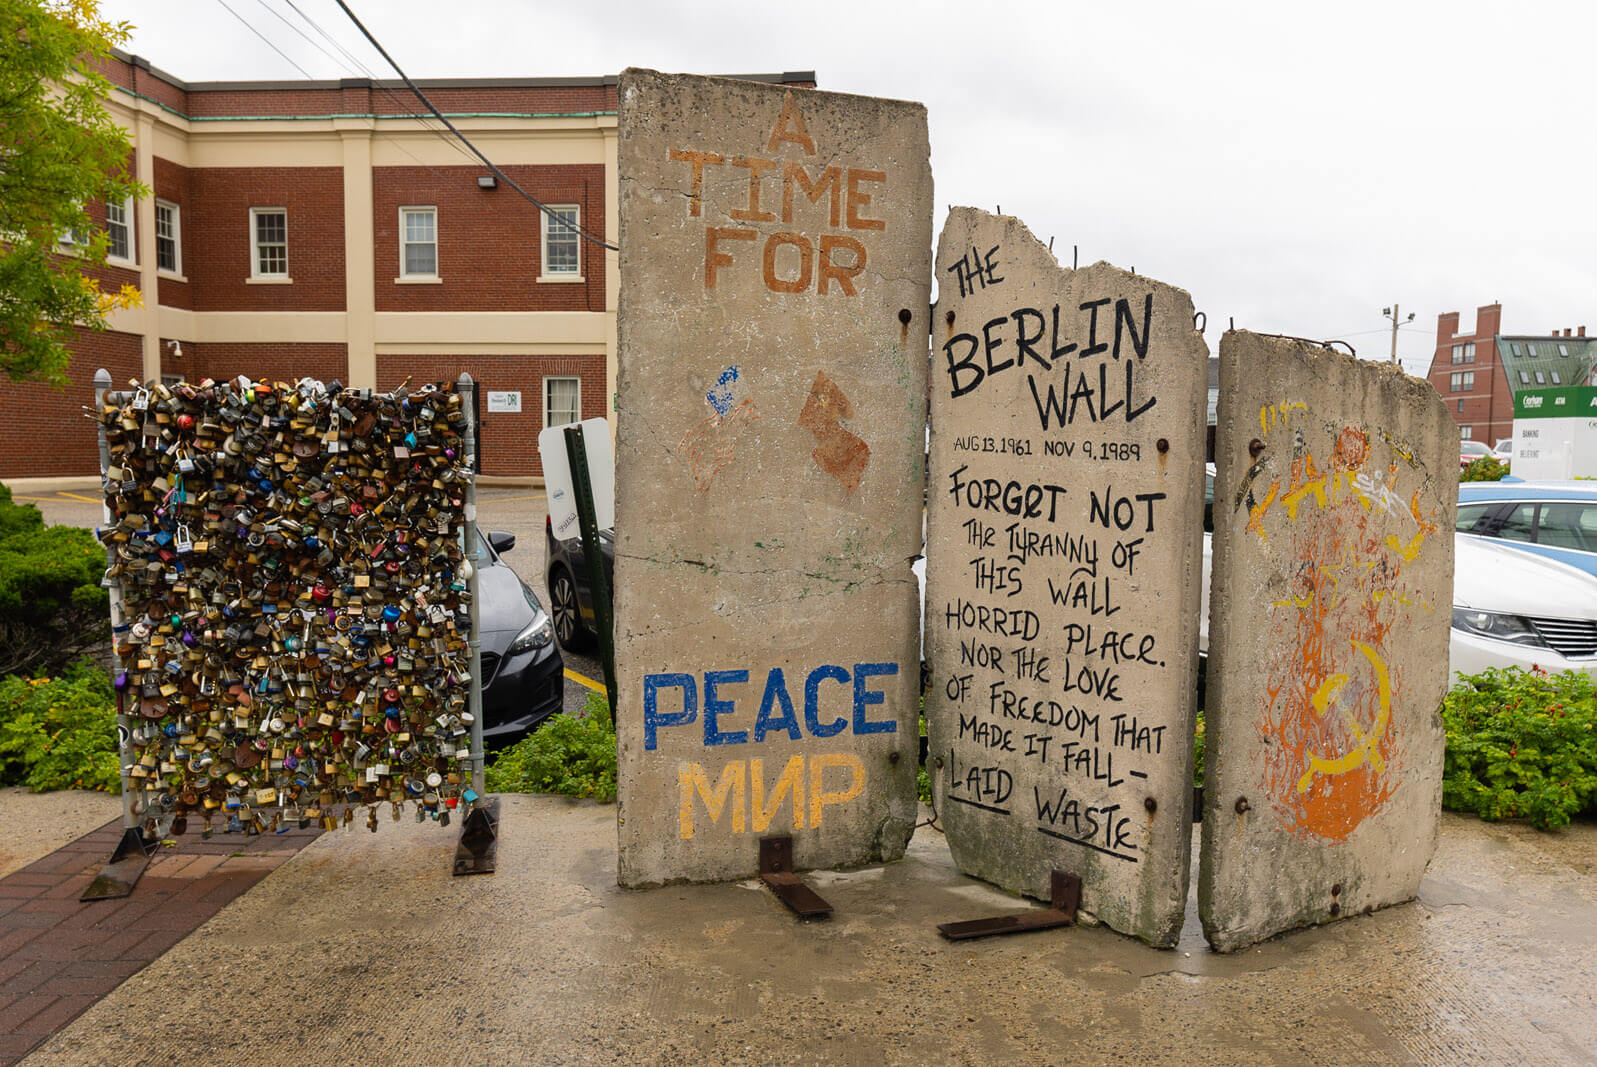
pixel 565 611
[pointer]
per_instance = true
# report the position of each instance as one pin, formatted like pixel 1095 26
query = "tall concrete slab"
pixel 775 281
pixel 1064 556
pixel 1334 499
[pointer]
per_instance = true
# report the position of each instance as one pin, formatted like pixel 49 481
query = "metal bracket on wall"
pixel 126 865
pixel 479 839
pixel 1066 893
pixel 776 871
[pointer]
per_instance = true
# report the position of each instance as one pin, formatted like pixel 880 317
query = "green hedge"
pixel 59 733
pixel 52 608
pixel 573 755
pixel 1522 745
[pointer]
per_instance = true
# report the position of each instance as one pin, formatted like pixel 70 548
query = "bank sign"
pixel 1567 403
pixel 1555 433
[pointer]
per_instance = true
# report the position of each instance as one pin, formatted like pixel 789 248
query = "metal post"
pixel 468 394
pixel 132 854
pixel 592 555
pixel 124 722
pixel 477 850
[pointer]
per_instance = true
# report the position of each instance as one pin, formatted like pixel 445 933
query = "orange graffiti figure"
pixel 1330 745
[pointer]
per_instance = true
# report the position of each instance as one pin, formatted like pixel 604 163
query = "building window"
pixel 1461 382
pixel 1461 407
pixel 562 401
pixel 561 245
pixel 1541 379
pixel 1465 432
pixel 1563 350
pixel 1513 349
pixel 1556 379
pixel 418 242
pixel 1524 378
pixel 1458 353
pixel 168 237
pixel 1530 350
pixel 268 242
pixel 1469 352
pixel 119 229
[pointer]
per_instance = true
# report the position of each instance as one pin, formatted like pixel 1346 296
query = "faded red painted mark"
pixel 837 452
pixel 709 445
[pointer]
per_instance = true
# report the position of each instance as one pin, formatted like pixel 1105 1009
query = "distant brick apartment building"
pixel 321 228
pixel 1479 372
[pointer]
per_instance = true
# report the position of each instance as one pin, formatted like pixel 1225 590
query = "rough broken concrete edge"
pixel 1149 925
pixel 1410 389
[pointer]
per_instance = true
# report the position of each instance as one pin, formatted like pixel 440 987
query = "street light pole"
pixel 1392 313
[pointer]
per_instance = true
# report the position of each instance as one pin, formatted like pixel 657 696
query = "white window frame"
pixel 1465 433
pixel 405 275
pixel 175 218
pixel 544 273
pixel 256 274
pixel 126 208
pixel 546 397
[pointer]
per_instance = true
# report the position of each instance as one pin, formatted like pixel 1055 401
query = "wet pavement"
pixel 362 949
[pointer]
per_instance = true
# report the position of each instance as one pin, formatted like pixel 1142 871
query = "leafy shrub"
pixel 52 608
pixel 573 755
pixel 59 733
pixel 1484 469
pixel 1522 745
pixel 1197 752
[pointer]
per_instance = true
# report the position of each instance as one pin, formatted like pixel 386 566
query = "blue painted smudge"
pixel 720 395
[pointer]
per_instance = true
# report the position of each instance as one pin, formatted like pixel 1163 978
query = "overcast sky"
pixel 1296 168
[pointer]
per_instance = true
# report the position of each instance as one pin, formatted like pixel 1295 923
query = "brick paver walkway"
pixel 59 956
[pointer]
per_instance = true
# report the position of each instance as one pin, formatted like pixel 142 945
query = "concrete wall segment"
pixel 1064 514
pixel 769 483
pixel 1335 496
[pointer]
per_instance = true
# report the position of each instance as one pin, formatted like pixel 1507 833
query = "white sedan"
pixel 1510 609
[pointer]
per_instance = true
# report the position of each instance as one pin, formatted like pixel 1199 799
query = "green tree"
pixel 60 152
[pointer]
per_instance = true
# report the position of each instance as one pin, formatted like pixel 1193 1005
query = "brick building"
pixel 322 228
pixel 1478 372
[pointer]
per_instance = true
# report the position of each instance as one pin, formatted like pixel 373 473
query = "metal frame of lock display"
pixel 475 851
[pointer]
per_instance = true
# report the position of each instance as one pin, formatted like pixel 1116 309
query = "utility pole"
pixel 1392 313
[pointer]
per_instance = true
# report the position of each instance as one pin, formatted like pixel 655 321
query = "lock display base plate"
pixel 479 839
pixel 123 870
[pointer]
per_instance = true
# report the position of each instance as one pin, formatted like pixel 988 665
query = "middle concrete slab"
pixel 1064 560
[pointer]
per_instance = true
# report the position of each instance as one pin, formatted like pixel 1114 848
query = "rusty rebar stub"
pixel 776 872
pixel 1065 898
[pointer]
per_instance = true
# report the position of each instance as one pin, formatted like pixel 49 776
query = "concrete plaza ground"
pixel 362 949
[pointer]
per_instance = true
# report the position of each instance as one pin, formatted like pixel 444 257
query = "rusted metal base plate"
pixel 1066 892
pixel 479 839
pixel 123 870
pixel 776 871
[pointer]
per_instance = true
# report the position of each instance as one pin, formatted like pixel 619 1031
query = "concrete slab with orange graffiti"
pixel 1063 561
pixel 1334 498
pixel 775 285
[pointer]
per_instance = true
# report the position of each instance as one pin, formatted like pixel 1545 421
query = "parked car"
pixel 523 676
pixel 1513 609
pixel 1553 519
pixel 1504 449
pixel 1470 451
pixel 570 592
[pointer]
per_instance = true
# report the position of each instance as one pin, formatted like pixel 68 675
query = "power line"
pixel 361 68
pixel 439 115
pixel 268 40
